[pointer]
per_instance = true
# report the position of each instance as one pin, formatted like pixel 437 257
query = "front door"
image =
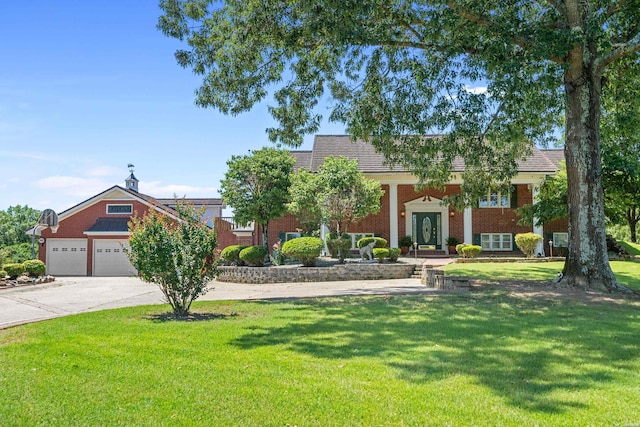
pixel 427 227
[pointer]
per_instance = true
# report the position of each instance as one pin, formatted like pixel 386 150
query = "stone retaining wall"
pixel 288 274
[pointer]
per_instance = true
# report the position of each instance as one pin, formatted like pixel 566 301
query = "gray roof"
pixel 192 201
pixel 556 155
pixel 110 225
pixel 370 161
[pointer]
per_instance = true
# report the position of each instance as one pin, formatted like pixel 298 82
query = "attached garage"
pixel 67 257
pixel 110 259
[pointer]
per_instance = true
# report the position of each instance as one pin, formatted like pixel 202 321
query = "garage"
pixel 110 259
pixel 67 257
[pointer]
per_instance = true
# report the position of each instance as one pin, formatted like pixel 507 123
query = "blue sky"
pixel 87 87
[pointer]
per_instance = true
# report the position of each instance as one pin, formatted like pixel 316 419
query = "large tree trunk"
pixel 587 264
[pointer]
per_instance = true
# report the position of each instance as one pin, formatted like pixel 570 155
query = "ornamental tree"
pixel 396 71
pixel 177 255
pixel 256 186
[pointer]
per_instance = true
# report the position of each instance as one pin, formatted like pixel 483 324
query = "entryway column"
pixel 393 215
pixel 538 229
pixel 468 227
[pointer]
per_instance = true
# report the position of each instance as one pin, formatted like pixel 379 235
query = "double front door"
pixel 427 230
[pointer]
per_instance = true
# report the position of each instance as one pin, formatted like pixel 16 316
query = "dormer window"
pixel 119 209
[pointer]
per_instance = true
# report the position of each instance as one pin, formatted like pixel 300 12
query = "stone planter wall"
pixel 289 274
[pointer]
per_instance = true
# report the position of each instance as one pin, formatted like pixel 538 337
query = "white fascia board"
pixel 107 233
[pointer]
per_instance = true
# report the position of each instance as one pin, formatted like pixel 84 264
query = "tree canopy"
pixel 397 71
pixel 14 223
pixel 256 186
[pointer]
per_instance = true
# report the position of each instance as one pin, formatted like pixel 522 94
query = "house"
pixel 91 235
pixel 491 224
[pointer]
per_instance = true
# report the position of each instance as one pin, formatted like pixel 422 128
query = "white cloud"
pixel 73 185
pixel 476 90
pixel 157 189
pixel 106 171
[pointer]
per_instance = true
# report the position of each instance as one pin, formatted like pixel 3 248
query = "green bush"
pixel 406 241
pixel 452 241
pixel 338 246
pixel 254 255
pixel 231 254
pixel 18 253
pixel 471 251
pixel 394 253
pixel 3 274
pixel 14 269
pixel 304 249
pixel 380 242
pixel 34 267
pixel 459 248
pixel 380 254
pixel 527 242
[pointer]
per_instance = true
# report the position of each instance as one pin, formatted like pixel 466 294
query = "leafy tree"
pixel 14 222
pixel 552 201
pixel 621 144
pixel 256 186
pixel 178 256
pixel 404 68
pixel 341 193
pixel 303 202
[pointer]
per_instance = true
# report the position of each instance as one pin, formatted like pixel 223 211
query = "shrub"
pixel 14 269
pixel 34 267
pixel 452 241
pixel 527 242
pixel 406 241
pixel 460 247
pixel 338 247
pixel 178 256
pixel 380 242
pixel 380 254
pixel 231 254
pixel 471 251
pixel 18 253
pixel 304 249
pixel 3 274
pixel 254 255
pixel 394 253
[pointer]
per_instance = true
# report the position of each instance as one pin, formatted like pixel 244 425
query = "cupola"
pixel 131 182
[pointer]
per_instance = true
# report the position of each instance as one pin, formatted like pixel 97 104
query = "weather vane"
pixel 130 166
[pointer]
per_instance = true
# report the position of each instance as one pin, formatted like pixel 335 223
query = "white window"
pixel 560 240
pixel 496 242
pixel 495 200
pixel 119 209
pixel 289 236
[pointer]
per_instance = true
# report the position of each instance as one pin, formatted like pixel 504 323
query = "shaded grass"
pixel 472 359
pixel 627 272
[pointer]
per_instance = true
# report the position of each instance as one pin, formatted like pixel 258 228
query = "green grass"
pixel 468 359
pixel 627 272
pixel 632 248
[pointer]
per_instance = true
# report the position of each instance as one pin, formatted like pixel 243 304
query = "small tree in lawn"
pixel 178 256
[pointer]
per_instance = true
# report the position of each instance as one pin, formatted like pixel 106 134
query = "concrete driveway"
pixel 71 295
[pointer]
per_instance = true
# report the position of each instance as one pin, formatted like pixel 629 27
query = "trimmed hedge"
pixel 254 255
pixel 304 249
pixel 380 242
pixel 231 254
pixel 14 269
pixel 335 244
pixel 34 267
pixel 3 274
pixel 459 248
pixel 380 254
pixel 394 253
pixel 471 251
pixel 527 242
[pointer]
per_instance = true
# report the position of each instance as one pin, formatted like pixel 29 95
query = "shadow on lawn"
pixel 192 317
pixel 522 349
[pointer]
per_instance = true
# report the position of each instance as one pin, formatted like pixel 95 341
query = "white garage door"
pixel 67 257
pixel 109 259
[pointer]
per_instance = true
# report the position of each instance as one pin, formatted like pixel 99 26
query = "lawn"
pixel 632 248
pixel 627 272
pixel 479 358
